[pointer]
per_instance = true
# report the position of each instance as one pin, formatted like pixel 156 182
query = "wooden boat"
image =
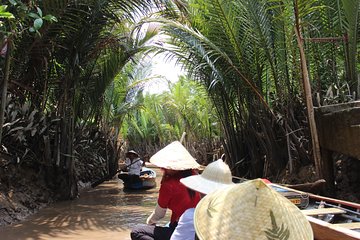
pixel 330 219
pixel 147 180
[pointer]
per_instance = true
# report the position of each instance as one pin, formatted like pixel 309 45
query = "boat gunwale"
pixel 322 229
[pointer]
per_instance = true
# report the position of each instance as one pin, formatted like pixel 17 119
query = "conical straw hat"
pixel 174 156
pixel 215 176
pixel 249 211
pixel 132 152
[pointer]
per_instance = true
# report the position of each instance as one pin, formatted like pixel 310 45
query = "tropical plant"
pixel 65 68
pixel 246 54
pixel 11 30
pixel 350 25
pixel 77 60
pixel 164 117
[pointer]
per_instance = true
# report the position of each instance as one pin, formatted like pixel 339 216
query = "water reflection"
pixel 106 212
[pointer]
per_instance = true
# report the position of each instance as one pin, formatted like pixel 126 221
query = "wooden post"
pixel 308 98
pixel 328 170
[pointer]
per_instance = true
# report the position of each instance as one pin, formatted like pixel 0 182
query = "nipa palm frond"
pixel 276 232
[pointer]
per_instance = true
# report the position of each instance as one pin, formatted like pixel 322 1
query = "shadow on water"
pixel 105 212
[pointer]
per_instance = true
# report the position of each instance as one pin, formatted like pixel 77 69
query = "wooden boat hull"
pixel 330 219
pixel 147 180
pixel 327 231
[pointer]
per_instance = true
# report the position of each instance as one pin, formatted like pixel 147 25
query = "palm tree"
pixel 226 68
pixel 164 117
pixel 66 67
pixel 245 53
pixel 350 25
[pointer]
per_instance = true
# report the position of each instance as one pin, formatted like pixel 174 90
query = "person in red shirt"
pixel 176 163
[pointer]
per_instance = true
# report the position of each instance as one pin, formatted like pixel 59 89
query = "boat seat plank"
pixel 353 225
pixel 322 211
pixel 327 231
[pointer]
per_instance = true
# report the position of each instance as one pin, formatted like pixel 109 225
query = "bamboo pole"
pixel 182 137
pixel 308 98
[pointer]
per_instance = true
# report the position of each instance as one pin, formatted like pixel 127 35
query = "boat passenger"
pixel 132 168
pixel 247 211
pixel 216 175
pixel 176 163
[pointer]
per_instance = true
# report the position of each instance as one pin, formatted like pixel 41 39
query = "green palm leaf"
pixel 351 12
pixel 276 232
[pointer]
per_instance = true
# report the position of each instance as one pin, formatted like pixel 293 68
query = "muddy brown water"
pixel 105 212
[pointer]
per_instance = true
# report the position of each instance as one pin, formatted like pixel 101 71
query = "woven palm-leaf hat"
pixel 216 175
pixel 175 157
pixel 249 211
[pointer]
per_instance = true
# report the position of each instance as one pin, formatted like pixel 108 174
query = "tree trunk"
pixel 67 182
pixel 5 87
pixel 308 98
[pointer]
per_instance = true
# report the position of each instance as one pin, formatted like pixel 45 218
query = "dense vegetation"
pixel 72 81
pixel 165 117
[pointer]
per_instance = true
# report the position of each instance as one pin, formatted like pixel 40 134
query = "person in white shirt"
pixel 133 165
pixel 216 175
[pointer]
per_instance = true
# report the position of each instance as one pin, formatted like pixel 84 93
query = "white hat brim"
pixel 200 184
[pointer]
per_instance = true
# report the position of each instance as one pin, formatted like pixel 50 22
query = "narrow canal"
pixel 105 212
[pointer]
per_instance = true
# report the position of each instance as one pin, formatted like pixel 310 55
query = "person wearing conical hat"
pixel 248 211
pixel 132 168
pixel 176 163
pixel 216 175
